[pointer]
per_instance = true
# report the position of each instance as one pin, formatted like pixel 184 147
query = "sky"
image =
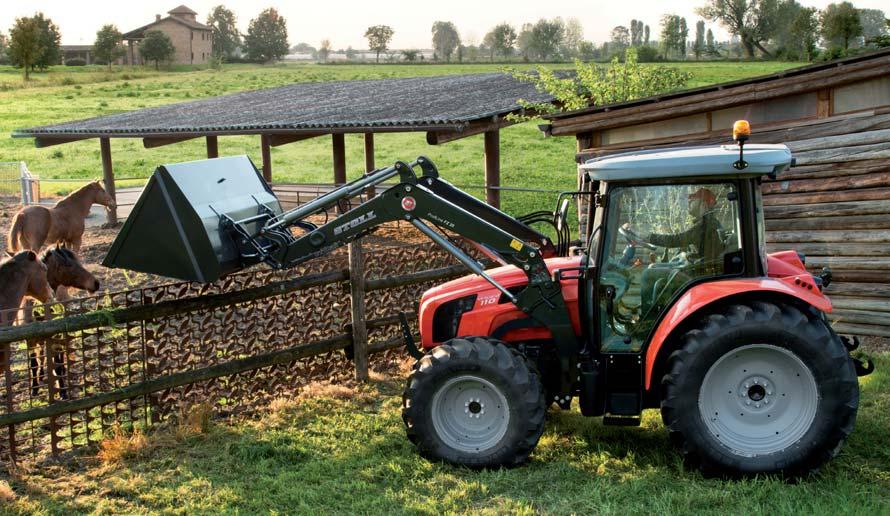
pixel 344 21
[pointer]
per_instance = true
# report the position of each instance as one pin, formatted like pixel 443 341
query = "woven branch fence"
pixel 136 357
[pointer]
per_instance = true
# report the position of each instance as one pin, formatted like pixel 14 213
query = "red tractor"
pixel 673 304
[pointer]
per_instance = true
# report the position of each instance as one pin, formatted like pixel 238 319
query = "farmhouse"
pixel 191 39
pixel 833 206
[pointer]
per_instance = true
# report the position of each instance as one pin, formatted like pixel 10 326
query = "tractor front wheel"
pixel 474 402
pixel 760 388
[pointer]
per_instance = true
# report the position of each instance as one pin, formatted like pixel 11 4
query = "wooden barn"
pixel 833 206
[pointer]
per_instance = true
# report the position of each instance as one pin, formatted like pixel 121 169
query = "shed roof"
pixel 727 94
pixel 414 104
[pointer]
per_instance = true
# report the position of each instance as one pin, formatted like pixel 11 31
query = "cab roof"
pixel 711 161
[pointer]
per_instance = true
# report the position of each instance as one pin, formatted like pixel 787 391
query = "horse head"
pixel 100 196
pixel 34 272
pixel 64 269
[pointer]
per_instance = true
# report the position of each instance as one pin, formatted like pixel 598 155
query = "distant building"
pixel 191 39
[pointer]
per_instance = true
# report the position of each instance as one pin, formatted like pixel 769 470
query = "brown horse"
pixel 34 226
pixel 63 270
pixel 21 276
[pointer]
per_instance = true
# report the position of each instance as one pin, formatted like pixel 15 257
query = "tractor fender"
pixel 700 296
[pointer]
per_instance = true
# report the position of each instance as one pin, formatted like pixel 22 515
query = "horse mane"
pixel 65 254
pixel 7 271
pixel 76 194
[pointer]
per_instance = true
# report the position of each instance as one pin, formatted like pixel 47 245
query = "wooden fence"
pixel 134 357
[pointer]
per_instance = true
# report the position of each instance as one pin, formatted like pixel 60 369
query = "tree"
pixel 587 51
pixel 646 35
pixel 636 33
pixel 524 41
pixel 226 38
pixel 303 48
pixel 572 37
pixel 410 55
pixel 753 21
pixel 351 53
pixel 266 38
pixel 698 48
pixel 547 36
pixel 682 37
pixel 4 49
pixel 840 22
pixel 50 41
pixel 157 47
pixel 874 23
pixel 24 44
pixel 710 45
pixel 324 50
pixel 803 32
pixel 670 34
pixel 445 39
pixel 500 40
pixel 620 38
pixel 379 37
pixel 108 44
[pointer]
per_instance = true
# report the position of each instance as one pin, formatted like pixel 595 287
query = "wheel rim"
pixel 758 399
pixel 470 413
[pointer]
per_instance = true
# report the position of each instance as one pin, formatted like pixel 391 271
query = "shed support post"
pixel 108 178
pixel 339 148
pixel 493 168
pixel 267 158
pixel 369 160
pixel 212 147
pixel 357 307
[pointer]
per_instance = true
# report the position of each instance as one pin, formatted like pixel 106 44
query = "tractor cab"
pixel 664 221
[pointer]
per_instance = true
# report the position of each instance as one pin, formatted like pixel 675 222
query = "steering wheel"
pixel 635 239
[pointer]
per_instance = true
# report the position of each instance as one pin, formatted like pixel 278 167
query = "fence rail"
pixel 134 357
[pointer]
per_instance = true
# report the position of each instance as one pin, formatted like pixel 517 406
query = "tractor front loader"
pixel 673 303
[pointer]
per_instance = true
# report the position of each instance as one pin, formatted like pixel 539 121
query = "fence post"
pixel 357 304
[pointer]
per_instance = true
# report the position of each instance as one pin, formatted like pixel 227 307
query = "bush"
pixel 75 62
pixel 648 54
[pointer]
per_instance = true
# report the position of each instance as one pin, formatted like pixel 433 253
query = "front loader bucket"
pixel 175 228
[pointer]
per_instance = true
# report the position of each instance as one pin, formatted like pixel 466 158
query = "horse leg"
pixel 38 375
pixel 59 369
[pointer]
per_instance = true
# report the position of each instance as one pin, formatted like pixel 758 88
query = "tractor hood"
pixel 715 161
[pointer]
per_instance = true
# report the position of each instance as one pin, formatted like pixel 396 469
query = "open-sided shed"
pixel 834 206
pixel 446 108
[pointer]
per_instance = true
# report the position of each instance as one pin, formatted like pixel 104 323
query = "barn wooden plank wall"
pixel 833 206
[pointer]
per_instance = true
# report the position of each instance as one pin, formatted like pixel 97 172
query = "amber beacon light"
pixel 741 130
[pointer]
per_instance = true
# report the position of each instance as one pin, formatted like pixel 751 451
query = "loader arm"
pixel 422 201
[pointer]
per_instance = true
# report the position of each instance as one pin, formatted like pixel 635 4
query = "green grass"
pixel 324 455
pixel 528 159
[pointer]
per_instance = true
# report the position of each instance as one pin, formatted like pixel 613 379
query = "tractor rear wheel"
pixel 760 388
pixel 474 402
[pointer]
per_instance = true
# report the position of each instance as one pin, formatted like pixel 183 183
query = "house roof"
pixel 140 32
pixel 727 94
pixel 445 103
pixel 182 9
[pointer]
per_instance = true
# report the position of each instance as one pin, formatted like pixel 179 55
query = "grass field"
pixel 70 93
pixel 345 452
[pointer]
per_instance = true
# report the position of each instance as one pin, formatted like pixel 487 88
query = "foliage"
pixel 410 55
pixel 500 40
pixel 76 62
pixel 324 50
pixel 587 51
pixel 50 41
pixel 304 48
pixel 646 35
pixel 840 23
pixel 445 40
pixel 636 33
pixel 573 35
pixel 524 41
pixel 266 38
pixel 379 37
pixel 4 48
pixel 599 85
pixel 620 38
pixel 803 33
pixel 226 38
pixel 157 47
pixel 673 35
pixel 647 54
pixel 698 48
pixel 546 37
pixel 24 44
pixel 874 23
pixel 753 21
pixel 108 46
